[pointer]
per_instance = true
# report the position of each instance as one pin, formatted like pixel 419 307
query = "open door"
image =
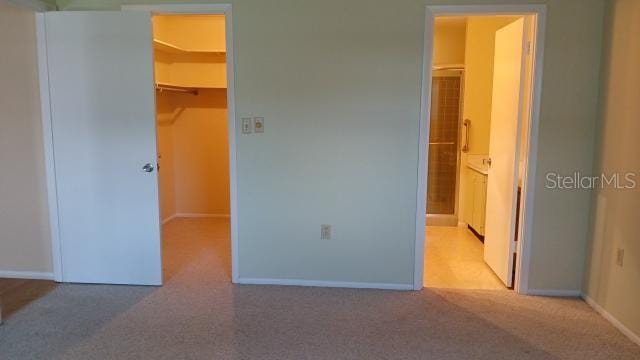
pixel 502 182
pixel 104 138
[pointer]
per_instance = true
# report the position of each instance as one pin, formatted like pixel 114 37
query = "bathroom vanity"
pixel 478 171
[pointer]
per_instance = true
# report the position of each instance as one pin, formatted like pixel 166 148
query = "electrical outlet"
pixel 620 257
pixel 325 232
pixel 258 124
pixel 246 125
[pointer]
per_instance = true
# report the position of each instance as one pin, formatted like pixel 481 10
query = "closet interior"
pixel 191 104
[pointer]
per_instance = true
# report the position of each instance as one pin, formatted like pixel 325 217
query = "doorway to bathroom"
pixel 479 119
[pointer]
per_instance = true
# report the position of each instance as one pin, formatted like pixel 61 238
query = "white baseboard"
pixel 319 283
pixel 26 275
pixel 194 215
pixel 615 322
pixel 599 309
pixel 36 5
pixel 554 293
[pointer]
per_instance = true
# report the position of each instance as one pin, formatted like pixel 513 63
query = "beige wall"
pixel 449 41
pixel 24 231
pixel 615 211
pixel 201 154
pixel 566 133
pixel 193 32
pixel 328 76
pixel 193 145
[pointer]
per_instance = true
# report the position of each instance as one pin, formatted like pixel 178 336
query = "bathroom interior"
pixel 459 148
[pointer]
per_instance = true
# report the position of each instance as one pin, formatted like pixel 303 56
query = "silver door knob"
pixel 147 167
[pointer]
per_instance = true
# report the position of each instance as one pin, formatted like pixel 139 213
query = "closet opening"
pixel 193 144
pixel 479 120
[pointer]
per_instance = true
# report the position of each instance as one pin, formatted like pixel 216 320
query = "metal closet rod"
pixel 161 88
pixel 445 67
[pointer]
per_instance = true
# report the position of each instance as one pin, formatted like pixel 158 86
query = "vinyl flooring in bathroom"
pixel 454 260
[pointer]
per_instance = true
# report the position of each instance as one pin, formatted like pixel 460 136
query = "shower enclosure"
pixel 444 155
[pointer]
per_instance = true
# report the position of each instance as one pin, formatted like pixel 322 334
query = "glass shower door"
pixel 443 145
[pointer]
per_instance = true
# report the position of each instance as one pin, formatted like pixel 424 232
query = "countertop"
pixel 475 162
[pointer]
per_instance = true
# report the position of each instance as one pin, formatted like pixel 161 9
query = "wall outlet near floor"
pixel 620 257
pixel 325 232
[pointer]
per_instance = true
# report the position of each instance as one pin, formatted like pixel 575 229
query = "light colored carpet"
pixel 454 259
pixel 198 314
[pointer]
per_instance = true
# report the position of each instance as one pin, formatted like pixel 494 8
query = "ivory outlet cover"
pixel 258 124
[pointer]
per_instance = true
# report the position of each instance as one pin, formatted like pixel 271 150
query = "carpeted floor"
pixel 198 314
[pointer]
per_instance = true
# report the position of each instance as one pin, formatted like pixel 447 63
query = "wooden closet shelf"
pixel 171 48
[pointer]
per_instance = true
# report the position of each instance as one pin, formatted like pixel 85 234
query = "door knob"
pixel 147 167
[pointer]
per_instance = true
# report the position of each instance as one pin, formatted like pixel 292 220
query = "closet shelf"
pixel 194 90
pixel 170 48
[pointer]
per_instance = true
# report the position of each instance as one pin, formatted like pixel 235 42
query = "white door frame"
pixel 47 137
pixel 221 9
pixel 526 228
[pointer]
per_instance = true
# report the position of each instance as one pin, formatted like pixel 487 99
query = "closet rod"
pixel 161 88
pixel 449 67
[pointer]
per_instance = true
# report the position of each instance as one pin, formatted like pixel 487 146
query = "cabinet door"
pixel 472 196
pixel 479 202
pixel 103 123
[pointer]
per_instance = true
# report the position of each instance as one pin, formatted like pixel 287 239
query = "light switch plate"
pixel 258 124
pixel 325 232
pixel 246 125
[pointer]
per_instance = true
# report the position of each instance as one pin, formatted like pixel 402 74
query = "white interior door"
pixel 103 122
pixel 502 182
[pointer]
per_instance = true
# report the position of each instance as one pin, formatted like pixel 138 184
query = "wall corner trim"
pixel 320 283
pixel 615 322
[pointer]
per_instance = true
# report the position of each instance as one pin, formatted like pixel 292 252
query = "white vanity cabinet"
pixel 478 200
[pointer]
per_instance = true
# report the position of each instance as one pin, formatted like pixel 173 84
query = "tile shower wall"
pixel 443 145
